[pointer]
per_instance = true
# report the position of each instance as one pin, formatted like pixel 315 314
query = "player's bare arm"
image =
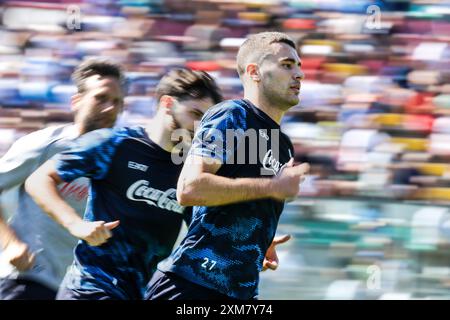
pixel 42 186
pixel 198 184
pixel 14 250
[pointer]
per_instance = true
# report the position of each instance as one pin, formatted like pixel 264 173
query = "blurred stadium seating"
pixel 373 120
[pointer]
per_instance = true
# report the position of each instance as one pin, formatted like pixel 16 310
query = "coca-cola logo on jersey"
pixel 141 191
pixel 271 163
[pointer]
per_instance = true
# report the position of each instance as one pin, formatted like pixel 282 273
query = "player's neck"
pixel 265 106
pixel 78 129
pixel 159 133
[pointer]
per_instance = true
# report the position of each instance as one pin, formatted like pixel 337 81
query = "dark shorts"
pixel 168 286
pixel 89 287
pixel 24 289
pixel 80 284
pixel 65 293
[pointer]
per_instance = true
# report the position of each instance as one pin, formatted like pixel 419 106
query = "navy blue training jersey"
pixel 225 245
pixel 132 180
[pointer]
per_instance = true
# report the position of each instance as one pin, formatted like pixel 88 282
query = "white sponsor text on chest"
pixel 141 191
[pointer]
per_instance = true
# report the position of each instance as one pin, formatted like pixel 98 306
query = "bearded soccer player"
pixel 133 192
pixel 36 251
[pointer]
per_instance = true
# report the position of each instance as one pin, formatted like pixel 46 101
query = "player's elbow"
pixel 31 183
pixel 38 180
pixel 186 198
pixel 188 194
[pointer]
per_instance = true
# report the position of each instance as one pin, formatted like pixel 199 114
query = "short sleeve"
pixel 89 156
pixel 220 132
pixel 24 156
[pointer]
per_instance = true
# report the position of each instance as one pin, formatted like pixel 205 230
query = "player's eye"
pixel 197 113
pixel 101 98
pixel 117 102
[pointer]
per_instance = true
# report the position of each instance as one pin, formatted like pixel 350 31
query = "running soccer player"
pixel 238 188
pixel 133 191
pixel 35 251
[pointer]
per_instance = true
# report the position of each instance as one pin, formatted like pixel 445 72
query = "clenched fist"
pixel 287 183
pixel 18 254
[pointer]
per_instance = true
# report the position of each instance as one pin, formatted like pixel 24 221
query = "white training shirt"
pixel 52 244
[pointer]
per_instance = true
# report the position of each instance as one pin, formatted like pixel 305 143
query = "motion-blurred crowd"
pixel 373 121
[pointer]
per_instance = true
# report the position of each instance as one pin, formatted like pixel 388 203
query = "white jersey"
pixel 52 244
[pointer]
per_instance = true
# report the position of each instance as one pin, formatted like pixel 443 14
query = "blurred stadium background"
pixel 373 220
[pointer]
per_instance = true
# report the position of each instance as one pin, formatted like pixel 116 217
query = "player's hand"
pixel 271 258
pixel 95 233
pixel 18 254
pixel 287 183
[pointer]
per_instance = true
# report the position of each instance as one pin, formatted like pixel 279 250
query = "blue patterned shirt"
pixel 132 180
pixel 225 245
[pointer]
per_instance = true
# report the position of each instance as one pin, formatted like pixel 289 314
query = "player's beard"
pixel 176 125
pixel 276 97
pixel 92 124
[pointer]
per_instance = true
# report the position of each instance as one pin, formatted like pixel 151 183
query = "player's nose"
pixel 299 75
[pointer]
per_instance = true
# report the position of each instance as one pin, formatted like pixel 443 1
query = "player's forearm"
pixel 43 189
pixel 212 190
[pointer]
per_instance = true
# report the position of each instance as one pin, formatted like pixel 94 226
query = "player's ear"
pixel 166 102
pixel 74 102
pixel 253 71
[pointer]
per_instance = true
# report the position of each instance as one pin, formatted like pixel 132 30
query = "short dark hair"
pixel 257 46
pixel 96 66
pixel 184 83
